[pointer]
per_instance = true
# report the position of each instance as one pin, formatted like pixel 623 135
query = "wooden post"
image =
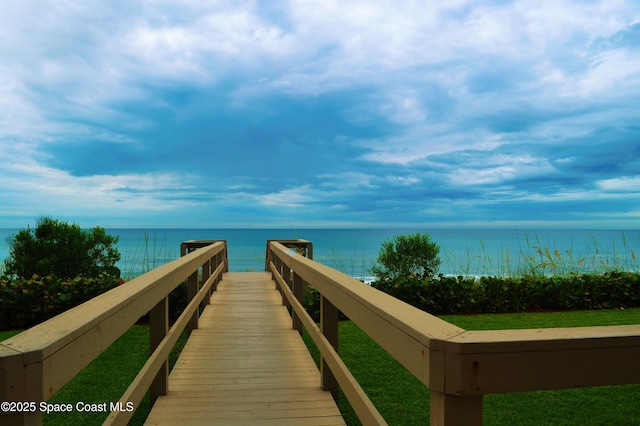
pixel 206 273
pixel 329 326
pixel 192 290
pixel 20 383
pixel 286 275
pixel 217 260
pixel 279 266
pixel 158 329
pixel 269 260
pixel 192 286
pixel 298 292
pixel 455 410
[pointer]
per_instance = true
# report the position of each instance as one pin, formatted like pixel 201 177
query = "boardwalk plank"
pixel 245 365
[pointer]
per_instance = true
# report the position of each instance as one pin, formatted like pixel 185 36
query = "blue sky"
pixel 169 113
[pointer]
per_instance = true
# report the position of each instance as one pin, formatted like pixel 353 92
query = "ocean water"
pixel 474 252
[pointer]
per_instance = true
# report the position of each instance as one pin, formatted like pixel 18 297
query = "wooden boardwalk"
pixel 245 365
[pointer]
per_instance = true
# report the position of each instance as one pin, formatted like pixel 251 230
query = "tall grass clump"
pixel 539 260
pixel 353 265
pixel 150 253
pixel 479 263
pixel 534 259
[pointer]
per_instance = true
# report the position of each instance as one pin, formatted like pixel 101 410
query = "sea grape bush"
pixel 463 295
pixel 25 302
pixel 54 267
pixel 444 295
pixel 62 249
pixel 404 255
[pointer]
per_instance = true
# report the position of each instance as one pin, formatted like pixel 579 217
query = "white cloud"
pixel 347 181
pixel 291 197
pixel 421 143
pixel 18 116
pixel 612 74
pixel 499 168
pixel 403 108
pixel 625 184
pixel 37 189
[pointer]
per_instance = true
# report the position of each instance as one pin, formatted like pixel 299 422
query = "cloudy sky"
pixel 320 113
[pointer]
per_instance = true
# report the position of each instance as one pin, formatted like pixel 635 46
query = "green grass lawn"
pixel 403 400
pixel 399 396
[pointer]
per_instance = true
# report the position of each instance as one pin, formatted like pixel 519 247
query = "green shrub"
pixel 63 250
pixel 406 255
pixel 26 302
pixel 463 295
pixel 311 302
pixel 177 301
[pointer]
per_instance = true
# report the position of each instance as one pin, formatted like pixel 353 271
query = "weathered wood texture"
pixel 245 364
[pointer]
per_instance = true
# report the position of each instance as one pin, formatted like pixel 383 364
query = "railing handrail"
pixel 39 361
pixel 460 366
pixel 305 247
pixel 362 303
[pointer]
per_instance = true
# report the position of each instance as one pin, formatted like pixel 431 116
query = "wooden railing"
pixel 301 247
pixel 36 363
pixel 458 366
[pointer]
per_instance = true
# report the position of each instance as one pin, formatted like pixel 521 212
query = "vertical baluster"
pixel 329 326
pixel 206 273
pixel 192 290
pixel 158 329
pixel 298 292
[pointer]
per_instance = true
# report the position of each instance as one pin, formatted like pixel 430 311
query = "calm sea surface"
pixel 463 252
